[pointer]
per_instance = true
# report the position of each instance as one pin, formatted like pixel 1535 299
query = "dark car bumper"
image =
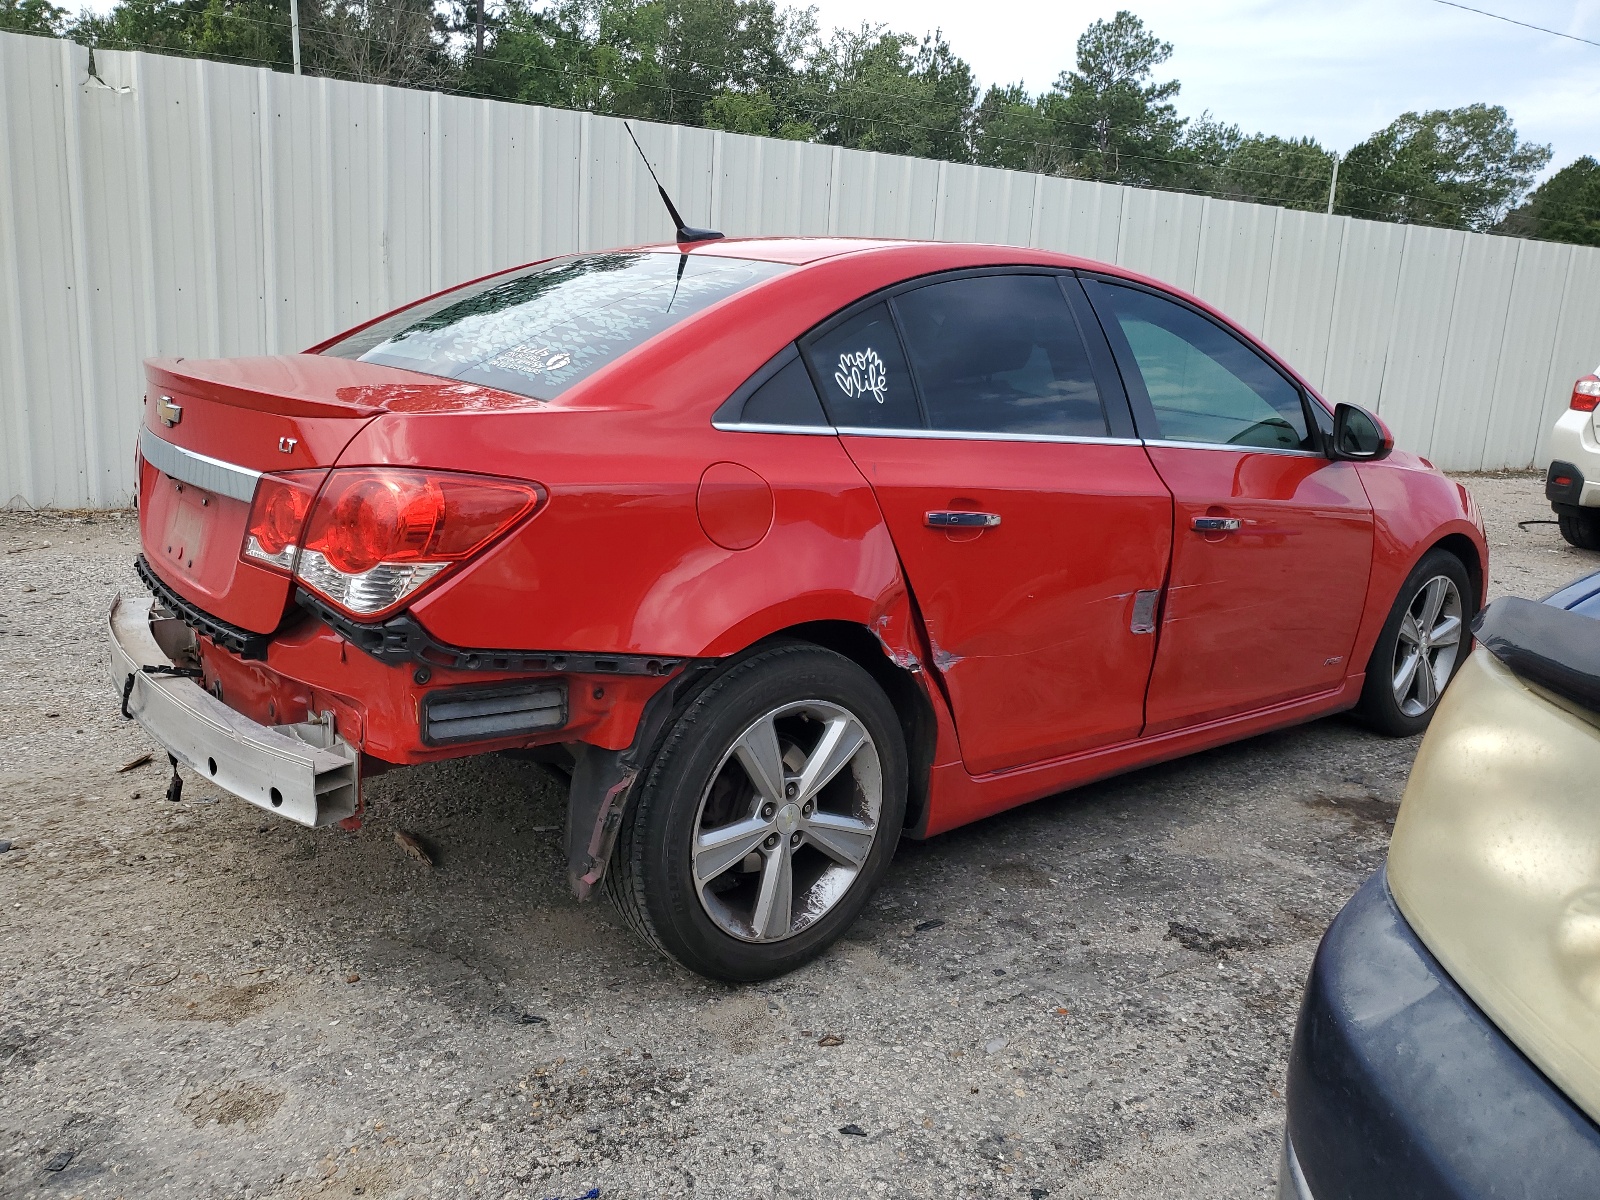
pixel 1563 484
pixel 1400 1087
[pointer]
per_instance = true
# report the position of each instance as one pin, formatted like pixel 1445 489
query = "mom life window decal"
pixel 861 370
pixel 861 374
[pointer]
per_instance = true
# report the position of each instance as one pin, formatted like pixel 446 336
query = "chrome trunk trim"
pixel 201 470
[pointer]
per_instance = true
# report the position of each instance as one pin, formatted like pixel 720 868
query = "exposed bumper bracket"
pixel 230 637
pixel 402 639
pixel 305 772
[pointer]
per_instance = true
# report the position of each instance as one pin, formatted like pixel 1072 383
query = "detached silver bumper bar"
pixel 304 772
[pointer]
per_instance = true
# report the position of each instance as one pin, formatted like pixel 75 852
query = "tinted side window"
pixel 863 373
pixel 1204 383
pixel 788 398
pixel 1000 354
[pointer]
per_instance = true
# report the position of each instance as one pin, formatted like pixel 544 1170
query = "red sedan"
pixel 783 549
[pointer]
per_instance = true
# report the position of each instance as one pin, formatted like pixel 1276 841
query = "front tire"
pixel 1580 526
pixel 1421 646
pixel 766 819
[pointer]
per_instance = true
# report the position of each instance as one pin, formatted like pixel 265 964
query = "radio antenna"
pixel 685 233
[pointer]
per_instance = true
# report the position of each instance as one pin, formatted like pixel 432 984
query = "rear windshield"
pixel 539 331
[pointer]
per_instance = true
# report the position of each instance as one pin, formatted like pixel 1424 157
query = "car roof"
pixel 800 251
pixel 796 250
pixel 920 257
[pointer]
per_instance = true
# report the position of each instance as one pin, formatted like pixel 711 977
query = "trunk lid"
pixel 212 427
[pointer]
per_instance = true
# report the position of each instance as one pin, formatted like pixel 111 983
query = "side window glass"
pixel 788 398
pixel 1204 383
pixel 863 373
pixel 1000 354
pixel 780 393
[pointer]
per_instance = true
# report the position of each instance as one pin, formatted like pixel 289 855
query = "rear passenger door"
pixel 1272 541
pixel 1030 522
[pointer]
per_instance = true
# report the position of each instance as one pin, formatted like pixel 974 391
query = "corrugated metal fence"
pixel 171 206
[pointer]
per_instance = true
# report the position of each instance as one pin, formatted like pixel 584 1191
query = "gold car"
pixel 1449 1043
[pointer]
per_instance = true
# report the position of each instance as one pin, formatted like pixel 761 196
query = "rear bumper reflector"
pixel 1563 484
pixel 483 714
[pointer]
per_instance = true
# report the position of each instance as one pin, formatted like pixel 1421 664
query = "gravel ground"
pixel 1089 996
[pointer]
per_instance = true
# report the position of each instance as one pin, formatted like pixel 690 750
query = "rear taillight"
pixel 1586 393
pixel 376 535
pixel 278 514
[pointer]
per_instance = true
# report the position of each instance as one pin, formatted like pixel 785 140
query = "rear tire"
pixel 1580 526
pixel 734 859
pixel 1422 645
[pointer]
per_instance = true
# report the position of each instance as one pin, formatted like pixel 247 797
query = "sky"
pixel 1335 70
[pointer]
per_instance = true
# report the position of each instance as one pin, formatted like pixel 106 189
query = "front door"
pixel 1272 541
pixel 1030 523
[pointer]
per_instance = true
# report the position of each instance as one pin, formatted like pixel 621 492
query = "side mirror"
pixel 1358 436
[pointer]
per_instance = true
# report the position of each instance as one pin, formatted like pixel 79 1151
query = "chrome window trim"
pixel 975 435
pixel 759 427
pixel 201 470
pixel 1177 445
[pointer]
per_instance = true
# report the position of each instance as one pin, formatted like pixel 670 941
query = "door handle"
pixel 1215 524
pixel 950 519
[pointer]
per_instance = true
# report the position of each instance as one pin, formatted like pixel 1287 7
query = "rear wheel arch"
pixel 910 700
pixel 656 878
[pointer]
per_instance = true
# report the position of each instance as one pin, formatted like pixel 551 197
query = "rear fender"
pixel 603 781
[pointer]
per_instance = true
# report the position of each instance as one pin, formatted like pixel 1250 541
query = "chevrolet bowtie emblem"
pixel 169 412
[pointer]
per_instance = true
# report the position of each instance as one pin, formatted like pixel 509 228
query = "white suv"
pixel 1573 484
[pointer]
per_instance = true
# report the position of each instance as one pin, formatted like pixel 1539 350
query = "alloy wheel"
pixel 1429 642
pixel 788 820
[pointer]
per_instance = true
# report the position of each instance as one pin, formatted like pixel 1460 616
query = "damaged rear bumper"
pixel 304 772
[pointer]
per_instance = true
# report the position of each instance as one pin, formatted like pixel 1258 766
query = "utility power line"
pixel 1218 193
pixel 1483 12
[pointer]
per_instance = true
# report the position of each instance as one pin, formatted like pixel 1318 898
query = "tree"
pixel 537 56
pixel 726 63
pixel 247 31
pixel 760 67
pixel 1108 118
pixel 1115 120
pixel 1564 208
pixel 871 89
pixel 1261 168
pixel 401 42
pixel 33 16
pixel 1292 172
pixel 1457 167
pixel 374 41
pixel 1011 130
